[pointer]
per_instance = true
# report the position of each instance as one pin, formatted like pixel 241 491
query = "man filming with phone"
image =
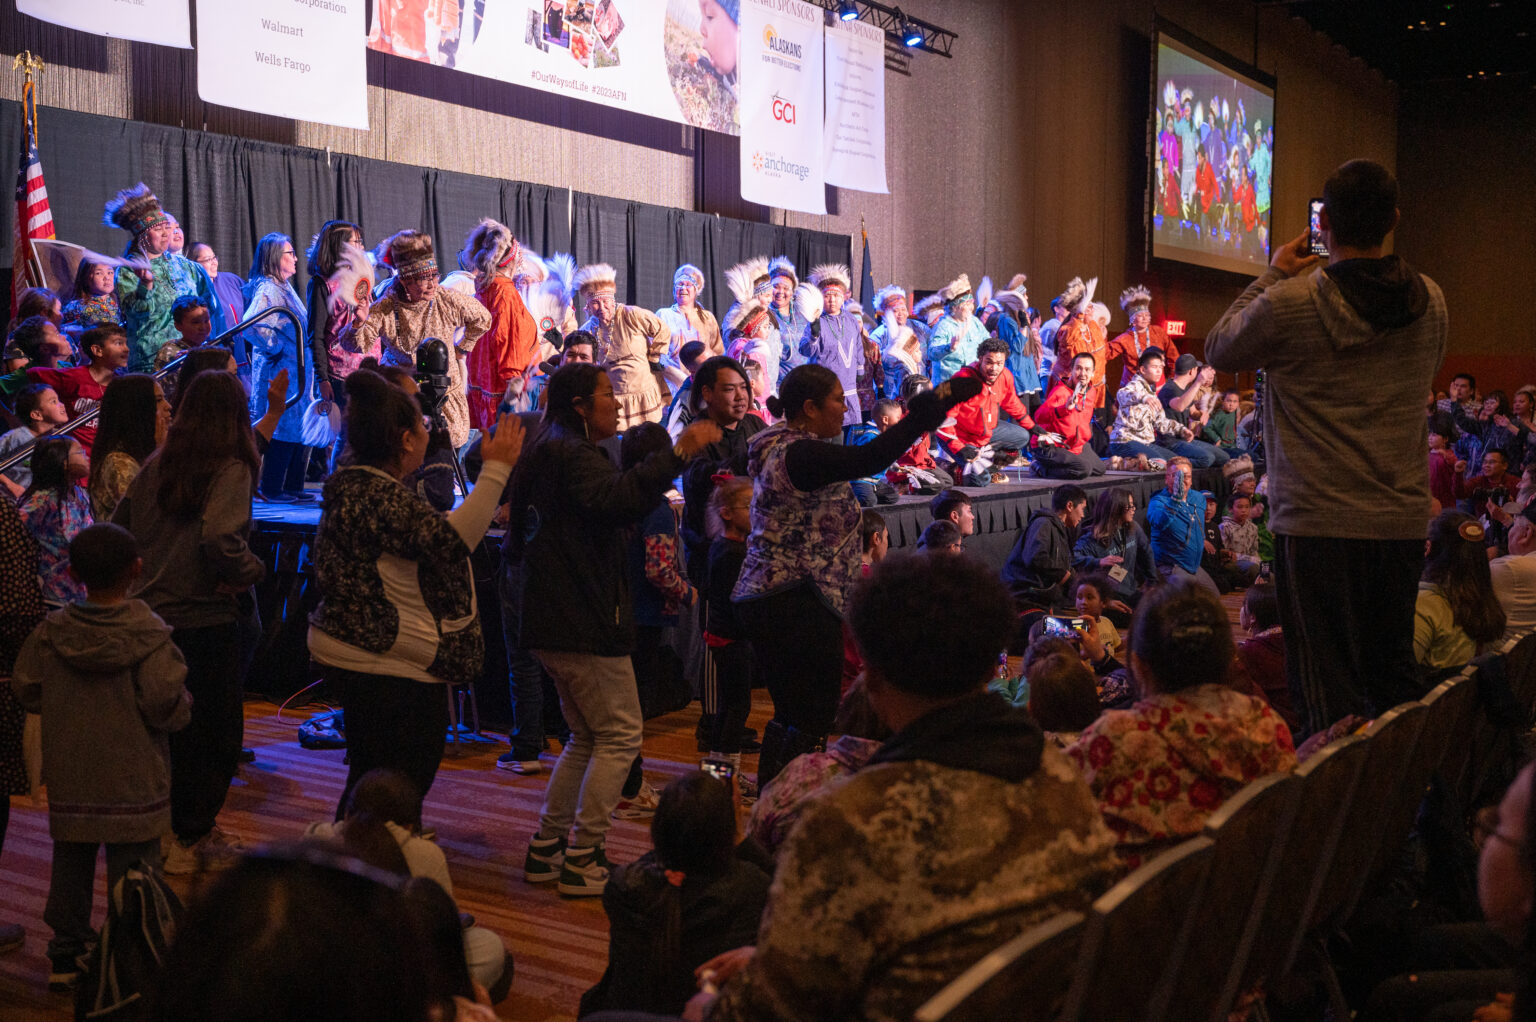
pixel 1348 484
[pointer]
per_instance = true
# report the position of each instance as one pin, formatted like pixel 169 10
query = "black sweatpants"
pixel 797 644
pixel 1346 608
pixel 391 722
pixel 206 753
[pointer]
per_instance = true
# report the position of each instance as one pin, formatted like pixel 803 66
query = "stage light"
pixel 848 10
pixel 911 35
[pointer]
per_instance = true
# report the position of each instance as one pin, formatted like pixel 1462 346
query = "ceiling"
pixel 1413 41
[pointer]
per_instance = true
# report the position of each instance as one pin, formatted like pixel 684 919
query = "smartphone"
pixel 1315 243
pixel 1266 569
pixel 719 768
pixel 1063 627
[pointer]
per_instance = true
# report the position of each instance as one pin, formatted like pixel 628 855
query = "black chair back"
pixel 1024 979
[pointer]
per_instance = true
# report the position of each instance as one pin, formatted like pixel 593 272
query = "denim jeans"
pixel 602 706
pixel 1200 453
pixel 525 678
pixel 1131 448
pixel 1174 573
pixel 72 883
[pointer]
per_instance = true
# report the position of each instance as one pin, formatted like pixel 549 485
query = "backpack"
pixel 141 919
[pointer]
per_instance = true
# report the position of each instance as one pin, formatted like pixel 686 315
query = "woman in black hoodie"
pixel 569 508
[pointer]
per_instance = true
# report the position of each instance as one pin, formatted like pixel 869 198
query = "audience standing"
pixel 1348 523
pixel 135 417
pixel 56 508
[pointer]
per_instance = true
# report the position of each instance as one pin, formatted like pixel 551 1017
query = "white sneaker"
pixel 214 851
pixel 642 805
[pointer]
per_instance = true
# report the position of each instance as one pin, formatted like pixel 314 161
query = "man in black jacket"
pixel 1039 568
pixel 722 394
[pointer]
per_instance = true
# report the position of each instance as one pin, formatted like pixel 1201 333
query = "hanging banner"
pixel 855 91
pixel 165 22
pixel 781 122
pixel 303 59
pixel 673 59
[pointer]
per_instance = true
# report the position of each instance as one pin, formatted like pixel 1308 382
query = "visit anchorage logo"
pixel 780 50
pixel 773 165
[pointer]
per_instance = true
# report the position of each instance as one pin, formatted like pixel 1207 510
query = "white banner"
pixel 304 59
pixel 673 59
pixel 781 134
pixel 165 22
pixel 855 129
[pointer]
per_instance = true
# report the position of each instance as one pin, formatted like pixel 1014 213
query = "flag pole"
pixel 25 269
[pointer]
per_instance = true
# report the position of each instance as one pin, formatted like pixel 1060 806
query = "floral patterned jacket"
pixel 1161 767
pixel 797 787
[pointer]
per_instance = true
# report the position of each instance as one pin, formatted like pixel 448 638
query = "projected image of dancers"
pixel 1213 163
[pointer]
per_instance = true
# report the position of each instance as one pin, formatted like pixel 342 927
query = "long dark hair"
pixel 50 466
pixel 325 250
pixel 211 428
pixel 694 833
pixel 1457 563
pixel 378 413
pixel 203 359
pixel 127 421
pixel 1109 513
pixel 1182 635
pixel 575 381
pixel 804 383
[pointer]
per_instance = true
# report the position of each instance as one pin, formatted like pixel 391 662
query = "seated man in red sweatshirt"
pixel 975 435
pixel 1068 413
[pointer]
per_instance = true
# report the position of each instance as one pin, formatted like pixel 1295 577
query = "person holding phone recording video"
pixel 1176 519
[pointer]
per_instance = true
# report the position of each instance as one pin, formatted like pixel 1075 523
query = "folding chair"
pixel 1024 979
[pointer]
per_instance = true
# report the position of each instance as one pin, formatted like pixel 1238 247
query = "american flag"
pixel 33 217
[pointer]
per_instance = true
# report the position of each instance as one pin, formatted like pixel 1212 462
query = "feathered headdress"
pixel 779 266
pixel 135 210
pixel 884 296
pixel 1014 298
pixel 984 292
pixel 1134 297
pixel 549 300
pixel 530 268
pixel 829 275
pixel 1078 296
pixel 489 249
pixel 957 290
pixel 747 279
pixel 690 272
pixel 351 283
pixel 807 301
pixel 926 308
pixel 595 279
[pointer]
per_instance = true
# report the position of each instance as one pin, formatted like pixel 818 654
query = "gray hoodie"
pixel 109 684
pixel 1349 353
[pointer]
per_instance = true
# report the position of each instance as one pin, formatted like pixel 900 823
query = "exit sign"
pixel 1175 327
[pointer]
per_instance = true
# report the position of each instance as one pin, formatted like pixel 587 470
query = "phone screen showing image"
pixel 1315 244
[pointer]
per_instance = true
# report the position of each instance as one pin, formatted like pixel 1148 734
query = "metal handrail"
pixel 86 418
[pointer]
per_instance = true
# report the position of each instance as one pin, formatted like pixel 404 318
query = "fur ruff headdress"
pixel 926 307
pixel 957 290
pixel 807 301
pixel 530 268
pixel 830 275
pixel 1134 297
pixel 549 300
pixel 779 266
pixel 690 272
pixel 489 249
pixel 135 210
pixel 1078 296
pixel 595 279
pixel 352 281
pixel 885 294
pixel 1014 298
pixel 744 280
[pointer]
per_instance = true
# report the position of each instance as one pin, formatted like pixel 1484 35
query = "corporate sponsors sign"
pixel 291 58
pixel 854 139
pixel 781 116
pixel 673 59
pixel 166 22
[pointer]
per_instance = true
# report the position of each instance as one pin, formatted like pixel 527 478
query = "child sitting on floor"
pixel 1063 697
pixel 1241 537
pixel 1092 592
pixel 109 684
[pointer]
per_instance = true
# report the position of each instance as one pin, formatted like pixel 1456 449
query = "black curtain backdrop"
pixel 228 192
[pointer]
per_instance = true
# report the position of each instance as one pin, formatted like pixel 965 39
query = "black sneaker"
pixel 584 873
pixel 545 860
pixel 63 973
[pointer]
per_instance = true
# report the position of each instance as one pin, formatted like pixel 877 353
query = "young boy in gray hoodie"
pixel 108 682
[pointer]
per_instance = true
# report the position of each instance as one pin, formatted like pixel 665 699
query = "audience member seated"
pixel 40 411
pixel 56 508
pixel 1219 562
pixel 1240 537
pixel 695 895
pixel 1220 428
pixel 1091 595
pixel 1262 654
pixel 1063 697
pixel 1039 567
pixel 1176 517
pixel 964 822
pixel 381 825
pixel 1115 546
pixel 941 537
pixel 108 682
pixel 954 506
pixel 1141 425
pixel 82 388
pixel 1456 616
pixel 1514 576
pixel 134 418
pixel 1182 397
pixel 1491 429
pixel 1067 412
pixel 978 439
pixel 1474 495
pixel 1191 742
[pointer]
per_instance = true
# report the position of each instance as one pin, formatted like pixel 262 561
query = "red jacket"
pixel 977 418
pixel 1074 424
pixel 1205 184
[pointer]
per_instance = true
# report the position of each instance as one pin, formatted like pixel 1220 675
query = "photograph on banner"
pixel 855 105
pixel 703 43
pixel 305 61
pixel 164 22
pixel 426 30
pixel 781 105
